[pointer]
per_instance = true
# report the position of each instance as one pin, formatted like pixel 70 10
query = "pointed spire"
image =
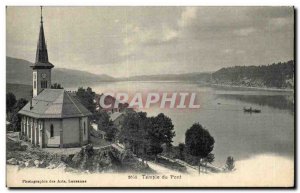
pixel 41 14
pixel 41 59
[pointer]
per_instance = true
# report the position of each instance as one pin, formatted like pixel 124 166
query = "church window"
pixel 84 130
pixel 51 131
pixel 43 84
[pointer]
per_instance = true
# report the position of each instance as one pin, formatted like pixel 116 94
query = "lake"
pixel 236 133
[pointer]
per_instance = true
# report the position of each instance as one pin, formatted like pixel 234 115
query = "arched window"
pixel 51 131
pixel 84 130
pixel 44 84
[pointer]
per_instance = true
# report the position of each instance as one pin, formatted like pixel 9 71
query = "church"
pixel 53 117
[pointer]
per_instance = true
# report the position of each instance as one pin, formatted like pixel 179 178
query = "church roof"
pixel 54 103
pixel 41 59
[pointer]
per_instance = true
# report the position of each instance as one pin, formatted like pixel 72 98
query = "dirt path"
pixel 160 169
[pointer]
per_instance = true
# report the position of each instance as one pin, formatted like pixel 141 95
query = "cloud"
pixel 137 37
pixel 226 51
pixel 180 39
pixel 169 34
pixel 279 23
pixel 233 51
pixel 187 16
pixel 245 31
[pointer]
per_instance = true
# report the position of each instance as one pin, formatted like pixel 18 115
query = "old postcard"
pixel 150 97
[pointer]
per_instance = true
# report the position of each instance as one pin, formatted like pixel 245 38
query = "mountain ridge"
pixel 18 71
pixel 276 75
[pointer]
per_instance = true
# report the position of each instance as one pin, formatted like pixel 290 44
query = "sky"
pixel 130 41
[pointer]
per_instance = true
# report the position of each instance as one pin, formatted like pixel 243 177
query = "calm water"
pixel 236 133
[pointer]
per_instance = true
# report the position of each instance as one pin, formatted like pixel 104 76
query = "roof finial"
pixel 41 14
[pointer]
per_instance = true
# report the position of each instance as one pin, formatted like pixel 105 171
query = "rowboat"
pixel 250 110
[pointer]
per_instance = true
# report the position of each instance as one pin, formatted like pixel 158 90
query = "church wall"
pixel 71 132
pixel 57 125
pixel 84 134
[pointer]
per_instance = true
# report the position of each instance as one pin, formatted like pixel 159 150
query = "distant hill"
pixel 19 72
pixel 20 90
pixel 280 75
pixel 191 77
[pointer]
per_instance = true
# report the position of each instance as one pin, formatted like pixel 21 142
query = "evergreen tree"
pixel 181 148
pixel 14 117
pixel 56 86
pixel 230 163
pixel 86 97
pixel 10 101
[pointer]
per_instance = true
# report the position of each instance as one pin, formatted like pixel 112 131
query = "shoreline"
pixel 209 84
pixel 253 88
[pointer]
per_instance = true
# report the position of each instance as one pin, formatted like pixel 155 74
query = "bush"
pixel 15 146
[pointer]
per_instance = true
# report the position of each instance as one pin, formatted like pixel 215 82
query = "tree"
pixel 102 120
pixel 20 104
pixel 210 158
pixel 15 121
pixel 133 131
pixel 111 133
pixel 10 101
pixel 14 117
pixel 146 135
pixel 199 142
pixel 155 149
pixel 104 123
pixel 160 131
pixel 181 148
pixel 86 97
pixel 230 163
pixel 56 86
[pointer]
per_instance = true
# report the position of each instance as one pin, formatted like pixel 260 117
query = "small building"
pixel 94 126
pixel 52 118
pixel 97 132
pixel 117 118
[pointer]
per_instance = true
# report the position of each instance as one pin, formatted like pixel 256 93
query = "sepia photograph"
pixel 150 96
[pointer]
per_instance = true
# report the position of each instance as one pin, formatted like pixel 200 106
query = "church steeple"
pixel 42 67
pixel 41 59
pixel 41 51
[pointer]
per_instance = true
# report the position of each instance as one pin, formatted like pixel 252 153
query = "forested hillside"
pixel 280 75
